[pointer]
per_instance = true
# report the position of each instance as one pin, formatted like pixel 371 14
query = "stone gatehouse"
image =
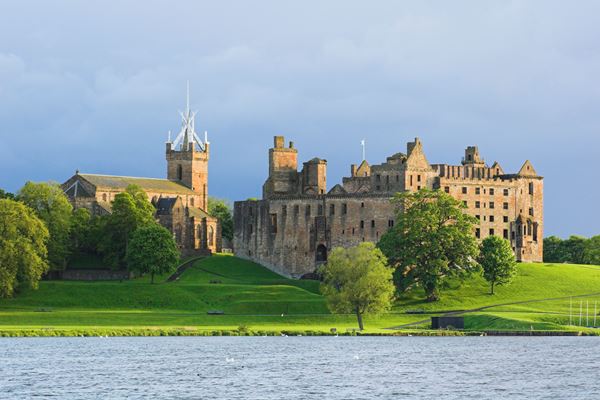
pixel 298 221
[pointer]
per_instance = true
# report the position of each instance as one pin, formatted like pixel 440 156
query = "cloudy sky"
pixel 96 86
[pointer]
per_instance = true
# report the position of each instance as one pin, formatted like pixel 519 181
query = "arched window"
pixel 321 254
pixel 211 234
pixel 179 172
pixel 199 232
pixel 178 234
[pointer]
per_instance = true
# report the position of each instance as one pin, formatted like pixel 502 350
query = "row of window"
pixel 492 218
pixel 490 191
pixel 465 190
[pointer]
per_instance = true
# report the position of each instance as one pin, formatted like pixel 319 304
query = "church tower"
pixel 187 156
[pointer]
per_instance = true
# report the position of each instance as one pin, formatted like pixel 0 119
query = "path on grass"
pixel 459 312
pixel 181 269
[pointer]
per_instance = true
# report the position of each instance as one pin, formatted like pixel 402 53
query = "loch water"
pixel 300 368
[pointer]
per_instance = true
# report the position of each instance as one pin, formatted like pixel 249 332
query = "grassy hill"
pixel 254 297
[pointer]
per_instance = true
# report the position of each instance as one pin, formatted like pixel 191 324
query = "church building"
pixel 181 200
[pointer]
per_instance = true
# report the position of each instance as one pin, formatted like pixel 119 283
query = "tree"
pixel 573 249
pixel 80 230
pixel 592 251
pixel 6 195
pixel 358 280
pixel 23 252
pixel 222 210
pixel 51 206
pixel 498 261
pixel 130 210
pixel 152 250
pixel 432 239
pixel 553 249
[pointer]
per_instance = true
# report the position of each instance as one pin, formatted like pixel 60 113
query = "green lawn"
pixel 252 296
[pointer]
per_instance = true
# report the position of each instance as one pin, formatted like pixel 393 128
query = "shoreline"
pixel 191 332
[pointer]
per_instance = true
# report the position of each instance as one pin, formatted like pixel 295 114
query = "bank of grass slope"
pixel 256 298
pixel 542 296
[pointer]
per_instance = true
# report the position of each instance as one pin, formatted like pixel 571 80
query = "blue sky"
pixel 95 86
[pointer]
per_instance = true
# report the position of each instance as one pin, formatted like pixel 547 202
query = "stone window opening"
pixel 447 189
pixel 464 190
pixel 344 209
pixel 505 218
pixel 418 178
pixel 491 191
pixel 308 211
pixel 390 223
pixel 103 196
pixel 505 192
pixel 477 190
pixel 465 203
pixel 477 233
pixel 192 201
pixel 179 172
pixel 397 178
pixel 491 218
pixel 362 224
pixel 491 231
pixel 478 217
pixel 505 233
pixel 362 205
pixel 531 211
pixel 372 223
pixel 378 178
pixel 491 204
pixel 531 188
pixel 211 236
pixel 332 209
pixel 505 206
pixel 477 204
pixel 273 223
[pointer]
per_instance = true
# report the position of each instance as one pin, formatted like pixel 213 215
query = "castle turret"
pixel 187 157
pixel 283 169
pixel 472 157
pixel 314 177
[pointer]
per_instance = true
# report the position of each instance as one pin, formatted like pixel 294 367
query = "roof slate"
pixel 148 184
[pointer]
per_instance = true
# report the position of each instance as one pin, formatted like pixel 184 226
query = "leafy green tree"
pixel 553 249
pixel 497 260
pixel 592 251
pixel 23 252
pixel 80 229
pixel 130 211
pixel 6 195
pixel 573 250
pixel 51 206
pixel 358 280
pixel 222 210
pixel 432 240
pixel 152 250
